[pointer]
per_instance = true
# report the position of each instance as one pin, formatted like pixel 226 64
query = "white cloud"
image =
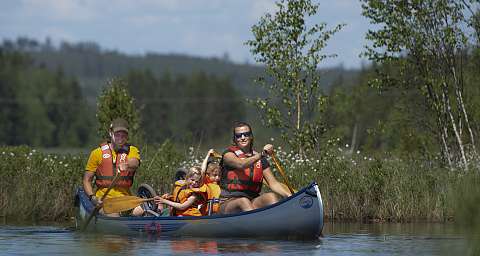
pixel 60 10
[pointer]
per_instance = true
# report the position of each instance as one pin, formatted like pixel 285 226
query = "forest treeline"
pixel 182 98
pixel 47 100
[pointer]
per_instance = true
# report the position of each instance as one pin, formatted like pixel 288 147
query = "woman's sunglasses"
pixel 244 134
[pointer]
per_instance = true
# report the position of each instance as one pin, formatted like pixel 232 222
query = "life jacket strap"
pixel 112 177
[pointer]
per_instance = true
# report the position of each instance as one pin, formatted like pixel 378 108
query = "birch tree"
pixel 291 51
pixel 428 40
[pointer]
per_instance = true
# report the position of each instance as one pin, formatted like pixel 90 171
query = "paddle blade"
pixel 123 203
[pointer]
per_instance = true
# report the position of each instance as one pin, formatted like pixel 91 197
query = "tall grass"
pixel 38 186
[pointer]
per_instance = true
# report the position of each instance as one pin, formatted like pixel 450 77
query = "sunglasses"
pixel 244 134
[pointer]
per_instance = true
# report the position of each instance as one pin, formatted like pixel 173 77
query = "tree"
pixel 428 41
pixel 115 102
pixel 290 49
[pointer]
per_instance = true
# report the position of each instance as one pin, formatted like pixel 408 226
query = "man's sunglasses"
pixel 244 134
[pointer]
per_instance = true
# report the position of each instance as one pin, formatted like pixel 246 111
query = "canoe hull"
pixel 297 217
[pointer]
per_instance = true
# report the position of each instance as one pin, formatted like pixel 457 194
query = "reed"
pixel 40 187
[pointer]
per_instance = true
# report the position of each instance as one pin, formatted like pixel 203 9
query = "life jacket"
pixel 106 171
pixel 249 179
pixel 213 195
pixel 196 208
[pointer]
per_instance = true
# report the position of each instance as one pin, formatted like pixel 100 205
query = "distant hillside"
pixel 92 65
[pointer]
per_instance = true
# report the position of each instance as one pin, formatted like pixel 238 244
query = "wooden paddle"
pixel 282 172
pixel 98 207
pixel 123 203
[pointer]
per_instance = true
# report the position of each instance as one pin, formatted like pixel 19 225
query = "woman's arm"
pixel 231 160
pixel 274 185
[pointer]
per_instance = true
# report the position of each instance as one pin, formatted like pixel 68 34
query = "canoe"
pixel 299 216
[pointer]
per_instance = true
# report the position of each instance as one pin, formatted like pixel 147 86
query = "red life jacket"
pixel 106 170
pixel 240 180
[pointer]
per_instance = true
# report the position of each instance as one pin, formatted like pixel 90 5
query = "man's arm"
pixel 87 182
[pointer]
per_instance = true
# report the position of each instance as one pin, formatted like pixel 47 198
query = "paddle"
pixel 98 207
pixel 123 203
pixel 282 172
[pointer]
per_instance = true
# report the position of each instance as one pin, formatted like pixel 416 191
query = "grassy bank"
pixel 38 186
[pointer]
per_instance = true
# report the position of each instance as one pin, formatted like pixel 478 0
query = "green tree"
pixel 427 40
pixel 290 49
pixel 115 101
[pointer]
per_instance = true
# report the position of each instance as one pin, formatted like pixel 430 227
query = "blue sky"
pixel 206 28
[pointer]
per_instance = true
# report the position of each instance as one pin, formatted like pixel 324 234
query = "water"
pixel 339 239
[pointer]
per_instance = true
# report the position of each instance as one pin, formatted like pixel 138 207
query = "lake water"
pixel 339 239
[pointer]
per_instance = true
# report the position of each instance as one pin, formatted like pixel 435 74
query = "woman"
pixel 243 171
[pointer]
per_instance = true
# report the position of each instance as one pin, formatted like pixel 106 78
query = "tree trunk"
pixel 448 109
pixel 461 106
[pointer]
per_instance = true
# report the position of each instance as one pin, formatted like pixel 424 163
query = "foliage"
pixel 353 187
pixel 291 52
pixel 40 107
pixel 185 109
pixel 427 41
pixel 116 102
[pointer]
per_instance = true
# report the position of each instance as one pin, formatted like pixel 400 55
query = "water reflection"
pixel 340 239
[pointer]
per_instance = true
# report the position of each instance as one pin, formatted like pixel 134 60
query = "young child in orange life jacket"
pixel 191 197
pixel 211 169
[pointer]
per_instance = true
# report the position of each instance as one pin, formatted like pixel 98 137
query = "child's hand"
pixel 158 199
pixel 210 152
pixel 166 196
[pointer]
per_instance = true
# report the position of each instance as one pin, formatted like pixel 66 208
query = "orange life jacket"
pixel 212 192
pixel 249 178
pixel 213 195
pixel 106 170
pixel 196 208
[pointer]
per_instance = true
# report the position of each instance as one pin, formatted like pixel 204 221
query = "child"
pixel 211 169
pixel 190 198
pixel 212 174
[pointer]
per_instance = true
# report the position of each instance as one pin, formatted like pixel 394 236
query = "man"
pixel 243 171
pixel 105 160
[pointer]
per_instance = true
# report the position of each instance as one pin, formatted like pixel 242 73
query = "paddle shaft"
pixel 282 172
pixel 98 207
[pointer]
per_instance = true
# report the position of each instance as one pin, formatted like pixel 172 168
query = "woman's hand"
pixel 268 149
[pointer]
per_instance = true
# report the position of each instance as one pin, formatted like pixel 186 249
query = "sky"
pixel 202 28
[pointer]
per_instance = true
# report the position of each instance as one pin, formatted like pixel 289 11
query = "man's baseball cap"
pixel 119 124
